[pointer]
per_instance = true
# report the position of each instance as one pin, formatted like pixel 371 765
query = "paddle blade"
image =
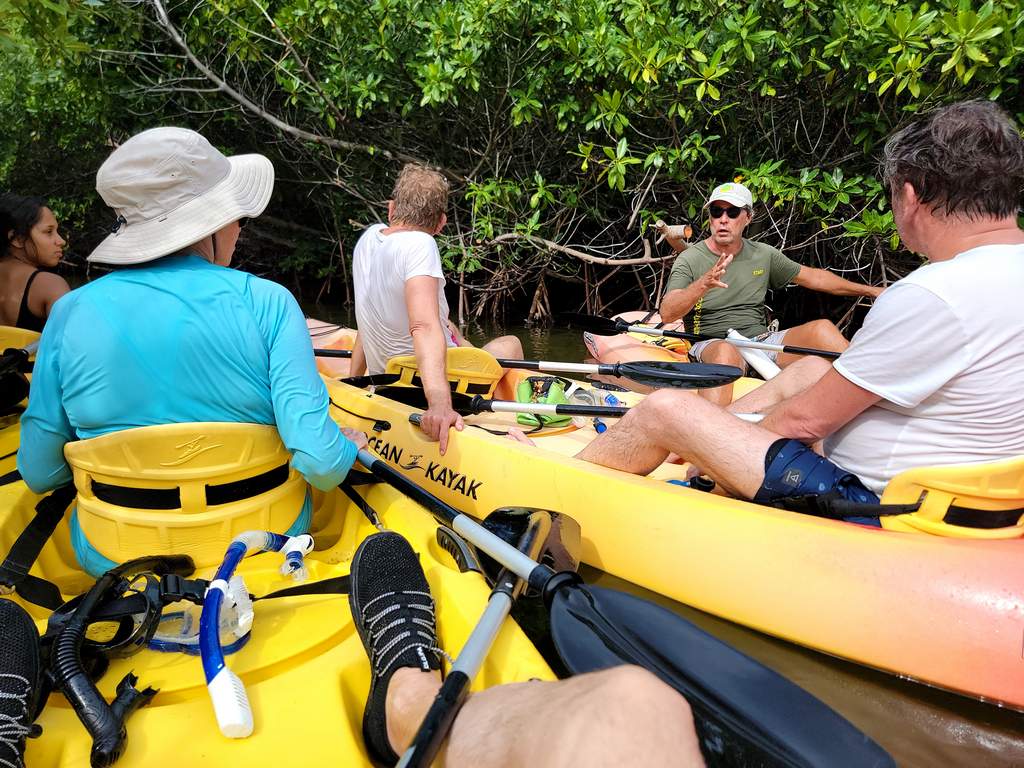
pixel 663 373
pixel 591 323
pixel 746 714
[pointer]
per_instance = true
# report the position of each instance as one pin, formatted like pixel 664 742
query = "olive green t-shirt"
pixel 755 269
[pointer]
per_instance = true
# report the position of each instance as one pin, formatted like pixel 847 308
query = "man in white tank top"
pixel 399 294
pixel 933 376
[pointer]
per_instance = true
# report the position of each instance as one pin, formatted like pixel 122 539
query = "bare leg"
pixel 728 449
pixel 791 381
pixel 724 354
pixel 621 716
pixel 819 334
pixel 505 346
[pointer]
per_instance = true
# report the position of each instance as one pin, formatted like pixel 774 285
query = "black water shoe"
pixel 394 613
pixel 20 681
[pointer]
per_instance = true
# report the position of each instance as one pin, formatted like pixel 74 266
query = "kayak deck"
pixel 304 667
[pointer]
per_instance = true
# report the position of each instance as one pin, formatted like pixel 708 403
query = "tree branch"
pixel 277 122
pixel 550 245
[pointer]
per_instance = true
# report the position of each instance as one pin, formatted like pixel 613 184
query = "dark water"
pixel 919 726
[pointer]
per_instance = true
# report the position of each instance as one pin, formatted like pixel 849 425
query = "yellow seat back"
pixel 183 488
pixel 970 501
pixel 471 371
pixel 17 338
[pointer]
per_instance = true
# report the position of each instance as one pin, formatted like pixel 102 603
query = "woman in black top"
pixel 30 247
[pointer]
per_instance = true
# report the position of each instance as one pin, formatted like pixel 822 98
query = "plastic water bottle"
pixel 582 396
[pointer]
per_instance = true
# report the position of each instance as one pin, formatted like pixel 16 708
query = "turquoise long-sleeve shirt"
pixel 171 341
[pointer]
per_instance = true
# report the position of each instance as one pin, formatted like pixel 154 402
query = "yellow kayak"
pixel 304 667
pixel 944 611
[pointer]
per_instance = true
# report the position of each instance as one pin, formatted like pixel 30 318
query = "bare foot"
pixel 516 434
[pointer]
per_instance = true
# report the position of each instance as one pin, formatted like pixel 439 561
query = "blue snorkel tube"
pixel 230 702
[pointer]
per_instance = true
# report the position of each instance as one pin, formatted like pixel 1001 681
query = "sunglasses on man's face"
pixel 732 211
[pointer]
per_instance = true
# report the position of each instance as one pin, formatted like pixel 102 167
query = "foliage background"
pixel 567 127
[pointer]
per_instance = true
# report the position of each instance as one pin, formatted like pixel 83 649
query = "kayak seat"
pixel 471 371
pixel 971 501
pixel 183 489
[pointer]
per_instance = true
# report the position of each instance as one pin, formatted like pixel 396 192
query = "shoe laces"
pixel 14 728
pixel 408 630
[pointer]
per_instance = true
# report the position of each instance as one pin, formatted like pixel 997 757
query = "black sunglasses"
pixel 717 211
pixel 243 221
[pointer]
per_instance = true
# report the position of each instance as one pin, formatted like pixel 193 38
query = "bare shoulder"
pixel 46 289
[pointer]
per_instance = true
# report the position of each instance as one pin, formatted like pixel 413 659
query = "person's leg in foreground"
pixel 621 716
pixel 20 681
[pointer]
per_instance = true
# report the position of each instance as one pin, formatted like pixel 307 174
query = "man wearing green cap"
pixel 720 284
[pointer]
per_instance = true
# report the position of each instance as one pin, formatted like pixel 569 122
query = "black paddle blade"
pixel 746 714
pixel 663 373
pixel 592 323
pixel 562 539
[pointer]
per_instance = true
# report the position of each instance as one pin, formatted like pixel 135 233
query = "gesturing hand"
pixel 435 423
pixel 713 277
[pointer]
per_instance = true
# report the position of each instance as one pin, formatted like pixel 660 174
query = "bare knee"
pixel 664 407
pixel 641 691
pixel 631 700
pixel 505 346
pixel 822 333
pixel 723 354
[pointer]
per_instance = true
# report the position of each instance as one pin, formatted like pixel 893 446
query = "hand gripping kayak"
pixel 227 692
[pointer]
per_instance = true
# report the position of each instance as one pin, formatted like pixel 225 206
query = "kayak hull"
pixel 946 612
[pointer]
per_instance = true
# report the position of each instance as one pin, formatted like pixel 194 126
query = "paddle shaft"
pixel 455 689
pixel 745 343
pixel 446 705
pixel 481 405
pixel 535 574
pixel 605 369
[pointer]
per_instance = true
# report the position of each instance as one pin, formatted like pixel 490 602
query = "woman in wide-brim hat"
pixel 175 336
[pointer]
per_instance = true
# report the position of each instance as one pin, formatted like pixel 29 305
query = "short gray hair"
pixel 964 159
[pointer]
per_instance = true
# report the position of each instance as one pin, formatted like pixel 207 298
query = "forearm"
pixel 678 303
pixel 358 365
pixel 828 282
pixel 431 349
pixel 41 457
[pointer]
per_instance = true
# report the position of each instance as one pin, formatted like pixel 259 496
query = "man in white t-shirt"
pixel 933 376
pixel 399 291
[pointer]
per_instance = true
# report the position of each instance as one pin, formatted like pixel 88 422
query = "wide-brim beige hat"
pixel 170 188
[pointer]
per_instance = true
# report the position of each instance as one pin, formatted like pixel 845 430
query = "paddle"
pixel 608 327
pixel 468 405
pixel 453 692
pixel 653 373
pixel 738 703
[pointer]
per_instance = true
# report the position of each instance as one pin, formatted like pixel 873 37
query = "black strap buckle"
pixel 174 588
